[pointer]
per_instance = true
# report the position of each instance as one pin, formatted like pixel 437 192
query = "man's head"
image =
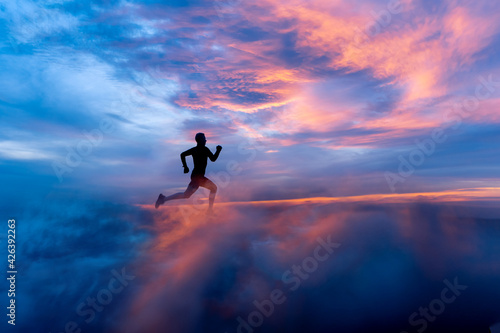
pixel 200 139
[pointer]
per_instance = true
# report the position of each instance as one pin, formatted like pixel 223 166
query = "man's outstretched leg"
pixel 181 195
pixel 160 200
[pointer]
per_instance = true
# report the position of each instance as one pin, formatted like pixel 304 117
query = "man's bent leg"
pixel 208 184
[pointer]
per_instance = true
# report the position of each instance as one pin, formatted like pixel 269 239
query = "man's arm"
pixel 183 159
pixel 213 157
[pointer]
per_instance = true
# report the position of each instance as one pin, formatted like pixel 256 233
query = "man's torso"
pixel 200 157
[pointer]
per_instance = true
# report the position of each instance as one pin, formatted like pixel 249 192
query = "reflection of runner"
pixel 200 154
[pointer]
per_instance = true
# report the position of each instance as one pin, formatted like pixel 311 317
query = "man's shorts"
pixel 197 181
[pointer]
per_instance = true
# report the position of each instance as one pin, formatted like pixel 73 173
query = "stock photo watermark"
pixel 222 179
pixel 103 298
pixel 427 147
pixel 11 271
pixel 293 278
pixel 380 21
pixel 420 320
pixel 76 154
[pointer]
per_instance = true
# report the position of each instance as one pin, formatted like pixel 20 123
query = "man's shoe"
pixel 160 201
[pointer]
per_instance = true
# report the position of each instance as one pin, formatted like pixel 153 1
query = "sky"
pixel 318 105
pixel 311 98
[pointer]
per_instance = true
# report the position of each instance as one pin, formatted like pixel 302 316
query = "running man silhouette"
pixel 200 154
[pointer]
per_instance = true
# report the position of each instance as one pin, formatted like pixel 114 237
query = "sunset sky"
pixel 315 103
pixel 335 92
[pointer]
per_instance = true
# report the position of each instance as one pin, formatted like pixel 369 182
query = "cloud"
pixel 70 248
pixel 212 271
